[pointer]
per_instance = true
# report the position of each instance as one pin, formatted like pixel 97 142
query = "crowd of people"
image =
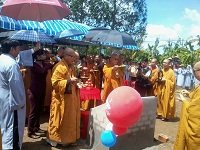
pixel 47 80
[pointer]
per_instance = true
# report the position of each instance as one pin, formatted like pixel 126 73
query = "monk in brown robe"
pixel 113 76
pixel 188 135
pixel 166 93
pixel 64 121
pixel 153 78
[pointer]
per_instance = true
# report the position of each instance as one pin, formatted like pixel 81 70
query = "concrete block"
pixel 138 136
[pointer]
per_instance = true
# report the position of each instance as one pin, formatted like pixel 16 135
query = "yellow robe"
pixel 188 136
pixel 110 80
pixel 47 99
pixel 26 74
pixel 153 78
pixel 166 95
pixel 64 121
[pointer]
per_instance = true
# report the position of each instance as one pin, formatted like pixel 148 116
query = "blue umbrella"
pixel 68 33
pixel 34 36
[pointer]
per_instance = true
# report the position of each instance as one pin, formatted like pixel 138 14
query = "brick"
pixel 163 138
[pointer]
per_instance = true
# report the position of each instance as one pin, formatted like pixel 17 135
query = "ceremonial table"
pixel 87 93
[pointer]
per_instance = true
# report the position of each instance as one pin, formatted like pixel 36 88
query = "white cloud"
pixel 194 30
pixel 160 31
pixel 192 15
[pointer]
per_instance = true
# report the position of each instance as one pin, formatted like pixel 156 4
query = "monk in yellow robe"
pixel 64 121
pixel 121 65
pixel 113 76
pixel 166 93
pixel 188 136
pixel 153 78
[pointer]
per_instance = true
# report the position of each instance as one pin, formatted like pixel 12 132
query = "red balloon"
pixel 119 130
pixel 124 106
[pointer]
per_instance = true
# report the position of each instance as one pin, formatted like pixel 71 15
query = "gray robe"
pixel 12 97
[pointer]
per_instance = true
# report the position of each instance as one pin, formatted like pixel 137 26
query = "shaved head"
pixel 69 56
pixel 197 65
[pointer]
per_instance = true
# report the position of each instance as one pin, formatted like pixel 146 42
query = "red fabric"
pixel 84 120
pixel 126 82
pixel 90 94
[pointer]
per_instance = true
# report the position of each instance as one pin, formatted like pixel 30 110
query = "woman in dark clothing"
pixel 36 92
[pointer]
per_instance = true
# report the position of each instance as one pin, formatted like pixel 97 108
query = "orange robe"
pixel 94 77
pixel 153 79
pixel 111 81
pixel 166 95
pixel 64 121
pixel 26 74
pixel 188 136
pixel 47 100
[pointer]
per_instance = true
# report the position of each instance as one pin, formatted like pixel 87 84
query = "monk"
pixel 120 63
pixel 98 71
pixel 87 104
pixel 64 121
pixel 113 76
pixel 188 133
pixel 166 93
pixel 153 78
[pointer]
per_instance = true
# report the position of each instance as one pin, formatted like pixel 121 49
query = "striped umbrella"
pixel 31 35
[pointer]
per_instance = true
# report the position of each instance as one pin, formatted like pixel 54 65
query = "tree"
pixel 123 15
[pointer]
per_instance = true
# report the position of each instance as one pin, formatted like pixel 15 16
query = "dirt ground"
pixel 167 128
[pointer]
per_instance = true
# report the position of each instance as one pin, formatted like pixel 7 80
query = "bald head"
pixel 197 65
pixel 196 70
pixel 166 63
pixel 153 63
pixel 114 59
pixel 69 56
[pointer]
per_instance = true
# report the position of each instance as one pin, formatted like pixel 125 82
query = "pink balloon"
pixel 119 130
pixel 124 106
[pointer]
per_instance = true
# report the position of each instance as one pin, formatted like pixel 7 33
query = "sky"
pixel 172 19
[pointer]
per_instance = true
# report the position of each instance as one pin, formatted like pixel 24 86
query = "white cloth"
pixel 181 76
pixel 188 76
pixel 25 58
pixel 12 97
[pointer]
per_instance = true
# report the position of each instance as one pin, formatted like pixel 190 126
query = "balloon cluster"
pixel 123 109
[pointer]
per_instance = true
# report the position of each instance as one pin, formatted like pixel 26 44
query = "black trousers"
pixel 15 132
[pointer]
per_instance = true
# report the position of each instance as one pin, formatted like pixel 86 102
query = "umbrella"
pixel 38 10
pixel 34 36
pixel 114 38
pixel 68 33
pixel 92 32
pixel 6 34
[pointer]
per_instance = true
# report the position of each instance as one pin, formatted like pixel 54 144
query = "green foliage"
pixel 123 15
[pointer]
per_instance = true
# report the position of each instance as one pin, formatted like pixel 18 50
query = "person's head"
pixel 77 57
pixel 153 63
pixel 144 62
pixel 39 55
pixel 48 53
pixel 11 47
pixel 98 59
pixel 60 51
pixel 196 70
pixel 69 56
pixel 90 59
pixel 114 59
pixel 166 64
pixel 121 59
